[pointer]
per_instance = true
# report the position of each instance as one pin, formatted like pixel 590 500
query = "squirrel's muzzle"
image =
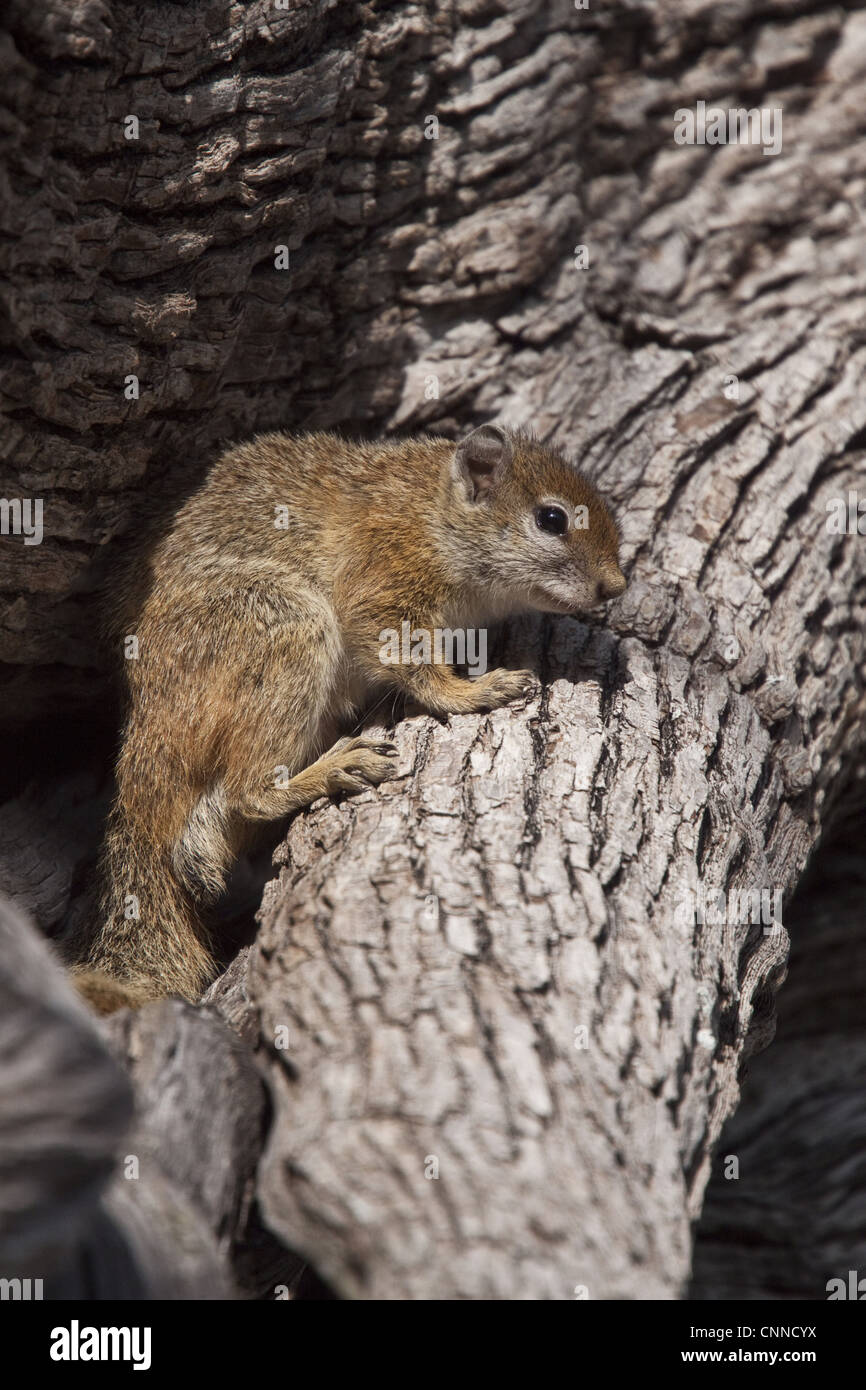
pixel 611 583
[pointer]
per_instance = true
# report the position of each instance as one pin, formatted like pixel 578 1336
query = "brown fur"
pixel 257 644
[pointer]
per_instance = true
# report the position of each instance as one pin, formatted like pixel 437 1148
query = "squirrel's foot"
pixel 500 687
pixel 354 764
pixel 106 993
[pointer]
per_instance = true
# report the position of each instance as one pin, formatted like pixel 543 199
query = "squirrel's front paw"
pixel 501 687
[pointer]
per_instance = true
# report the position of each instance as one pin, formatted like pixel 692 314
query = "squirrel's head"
pixel 540 533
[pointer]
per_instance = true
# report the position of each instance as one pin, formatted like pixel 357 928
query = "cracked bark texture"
pixel 129 1146
pixel 792 1216
pixel 432 953
pixel 156 1227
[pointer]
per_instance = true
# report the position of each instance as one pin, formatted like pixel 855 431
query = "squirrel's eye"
pixel 552 519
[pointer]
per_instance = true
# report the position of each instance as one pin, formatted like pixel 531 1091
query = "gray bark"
pixel 789 1215
pixel 430 949
pixel 101 1203
pixel 69 1218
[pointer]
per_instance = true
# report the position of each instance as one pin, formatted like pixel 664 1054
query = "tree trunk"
pixel 791 1215
pixel 499 1046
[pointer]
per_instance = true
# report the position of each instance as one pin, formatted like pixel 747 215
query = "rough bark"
pixel 99 1202
pixel 431 949
pixel 65 1108
pixel 790 1216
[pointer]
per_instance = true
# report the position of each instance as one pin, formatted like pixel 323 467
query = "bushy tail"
pixel 150 941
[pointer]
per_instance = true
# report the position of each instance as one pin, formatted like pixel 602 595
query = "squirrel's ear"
pixel 481 461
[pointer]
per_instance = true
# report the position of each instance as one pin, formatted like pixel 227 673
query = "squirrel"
pixel 258 617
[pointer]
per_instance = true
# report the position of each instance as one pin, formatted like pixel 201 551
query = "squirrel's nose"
pixel 611 584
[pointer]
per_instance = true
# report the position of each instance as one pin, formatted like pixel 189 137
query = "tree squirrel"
pixel 258 618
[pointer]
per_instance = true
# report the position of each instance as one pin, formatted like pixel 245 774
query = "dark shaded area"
pixel 795 1217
